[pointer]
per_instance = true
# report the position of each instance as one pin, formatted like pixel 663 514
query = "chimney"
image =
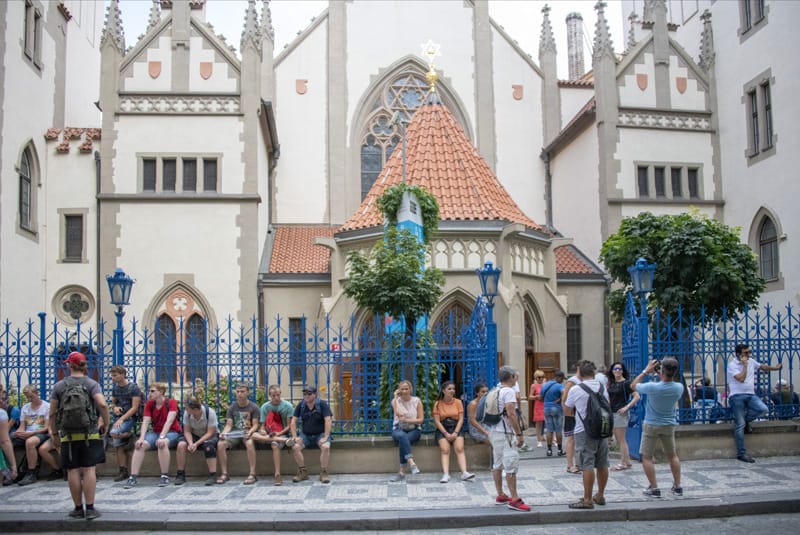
pixel 575 45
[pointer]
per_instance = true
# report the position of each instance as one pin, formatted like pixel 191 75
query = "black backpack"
pixel 76 412
pixel 599 421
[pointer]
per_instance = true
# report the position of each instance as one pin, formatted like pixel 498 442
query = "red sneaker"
pixel 502 500
pixel 519 505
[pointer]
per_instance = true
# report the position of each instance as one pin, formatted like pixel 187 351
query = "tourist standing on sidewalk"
pixel 745 405
pixel 162 413
pixel 538 405
pixel 408 416
pixel 33 434
pixel 200 433
pixel 80 452
pixel 551 394
pixel 506 437
pixel 126 398
pixel 276 416
pixel 241 423
pixel 622 399
pixel 592 453
pixel 659 421
pixel 315 420
pixel 569 427
pixel 448 418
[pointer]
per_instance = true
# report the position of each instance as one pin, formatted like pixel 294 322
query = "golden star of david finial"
pixel 431 50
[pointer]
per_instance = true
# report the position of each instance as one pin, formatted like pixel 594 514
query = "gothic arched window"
pixel 768 250
pixel 403 95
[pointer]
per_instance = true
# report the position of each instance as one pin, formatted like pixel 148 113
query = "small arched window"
pixel 768 250
pixel 26 180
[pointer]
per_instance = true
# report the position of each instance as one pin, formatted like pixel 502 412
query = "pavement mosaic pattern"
pixel 542 481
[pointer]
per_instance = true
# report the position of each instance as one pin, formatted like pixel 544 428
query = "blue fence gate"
pixel 355 367
pixel 703 344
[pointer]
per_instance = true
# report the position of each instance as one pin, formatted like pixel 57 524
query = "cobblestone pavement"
pixel 542 481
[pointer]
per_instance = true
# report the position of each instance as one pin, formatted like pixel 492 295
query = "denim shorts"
pixel 312 441
pixel 152 436
pixel 125 428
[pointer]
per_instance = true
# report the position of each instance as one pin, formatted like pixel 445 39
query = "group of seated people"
pixel 274 424
pixel 706 398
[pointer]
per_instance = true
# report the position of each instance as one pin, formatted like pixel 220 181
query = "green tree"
pixel 392 279
pixel 700 262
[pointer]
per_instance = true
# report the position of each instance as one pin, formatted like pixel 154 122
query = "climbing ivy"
pixel 389 203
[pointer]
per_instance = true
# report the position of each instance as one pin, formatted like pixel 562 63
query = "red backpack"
pixel 273 423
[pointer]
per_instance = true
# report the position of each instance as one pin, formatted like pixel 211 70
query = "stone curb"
pixel 654 510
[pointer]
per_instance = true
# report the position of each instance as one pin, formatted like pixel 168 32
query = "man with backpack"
pixel 200 433
pixel 505 436
pixel 275 429
pixel 594 423
pixel 75 406
pixel 126 401
pixel 659 421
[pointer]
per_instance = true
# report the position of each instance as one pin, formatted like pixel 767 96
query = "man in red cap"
pixel 80 451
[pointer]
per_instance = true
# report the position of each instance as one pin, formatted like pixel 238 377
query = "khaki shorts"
pixel 653 434
pixel 504 455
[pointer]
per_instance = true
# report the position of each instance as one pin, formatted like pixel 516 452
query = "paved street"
pixel 544 484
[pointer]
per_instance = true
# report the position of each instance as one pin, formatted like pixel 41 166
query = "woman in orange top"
pixel 448 417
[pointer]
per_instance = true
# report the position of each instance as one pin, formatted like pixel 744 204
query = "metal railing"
pixel 703 345
pixel 355 367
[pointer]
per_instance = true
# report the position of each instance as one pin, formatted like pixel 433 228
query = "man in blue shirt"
pixel 659 421
pixel 553 411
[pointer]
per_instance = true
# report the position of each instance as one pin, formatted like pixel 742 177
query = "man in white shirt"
pixel 745 405
pixel 591 453
pixel 506 437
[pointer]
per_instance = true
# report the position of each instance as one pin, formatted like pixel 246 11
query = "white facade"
pixel 180 94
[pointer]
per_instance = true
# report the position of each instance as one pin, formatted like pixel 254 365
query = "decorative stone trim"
pixel 188 104
pixel 73 303
pixel 666 120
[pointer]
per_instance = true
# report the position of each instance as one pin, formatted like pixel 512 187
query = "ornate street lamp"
pixel 642 275
pixel 489 277
pixel 119 287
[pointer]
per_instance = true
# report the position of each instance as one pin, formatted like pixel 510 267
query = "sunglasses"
pixel 307 393
pixel 153 390
pixel 616 369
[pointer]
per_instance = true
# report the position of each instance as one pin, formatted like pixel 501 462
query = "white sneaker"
pixel 445 478
pixel 467 476
pixel 538 444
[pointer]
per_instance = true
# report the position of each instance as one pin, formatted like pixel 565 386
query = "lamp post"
pixel 119 287
pixel 642 275
pixel 489 277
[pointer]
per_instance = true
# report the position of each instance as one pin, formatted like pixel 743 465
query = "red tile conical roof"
pixel 441 159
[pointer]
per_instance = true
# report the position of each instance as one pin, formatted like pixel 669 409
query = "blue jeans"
pixel 745 408
pixel 405 439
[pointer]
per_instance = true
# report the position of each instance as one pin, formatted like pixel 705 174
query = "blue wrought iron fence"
pixel 355 368
pixel 703 344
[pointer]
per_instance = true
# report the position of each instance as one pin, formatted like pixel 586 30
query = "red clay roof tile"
pixel 440 158
pixel 569 260
pixel 294 250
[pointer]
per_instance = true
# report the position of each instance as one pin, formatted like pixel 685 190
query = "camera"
pixel 657 367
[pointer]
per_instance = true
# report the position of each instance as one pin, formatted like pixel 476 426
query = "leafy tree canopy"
pixel 391 280
pixel 699 262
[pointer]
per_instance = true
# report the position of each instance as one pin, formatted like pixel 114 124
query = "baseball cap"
pixel 76 357
pixel 782 382
pixel 309 389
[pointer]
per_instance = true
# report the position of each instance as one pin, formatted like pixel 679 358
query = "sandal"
pixel 599 500
pixel 222 479
pixel 573 470
pixel 250 479
pixel 620 467
pixel 581 505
